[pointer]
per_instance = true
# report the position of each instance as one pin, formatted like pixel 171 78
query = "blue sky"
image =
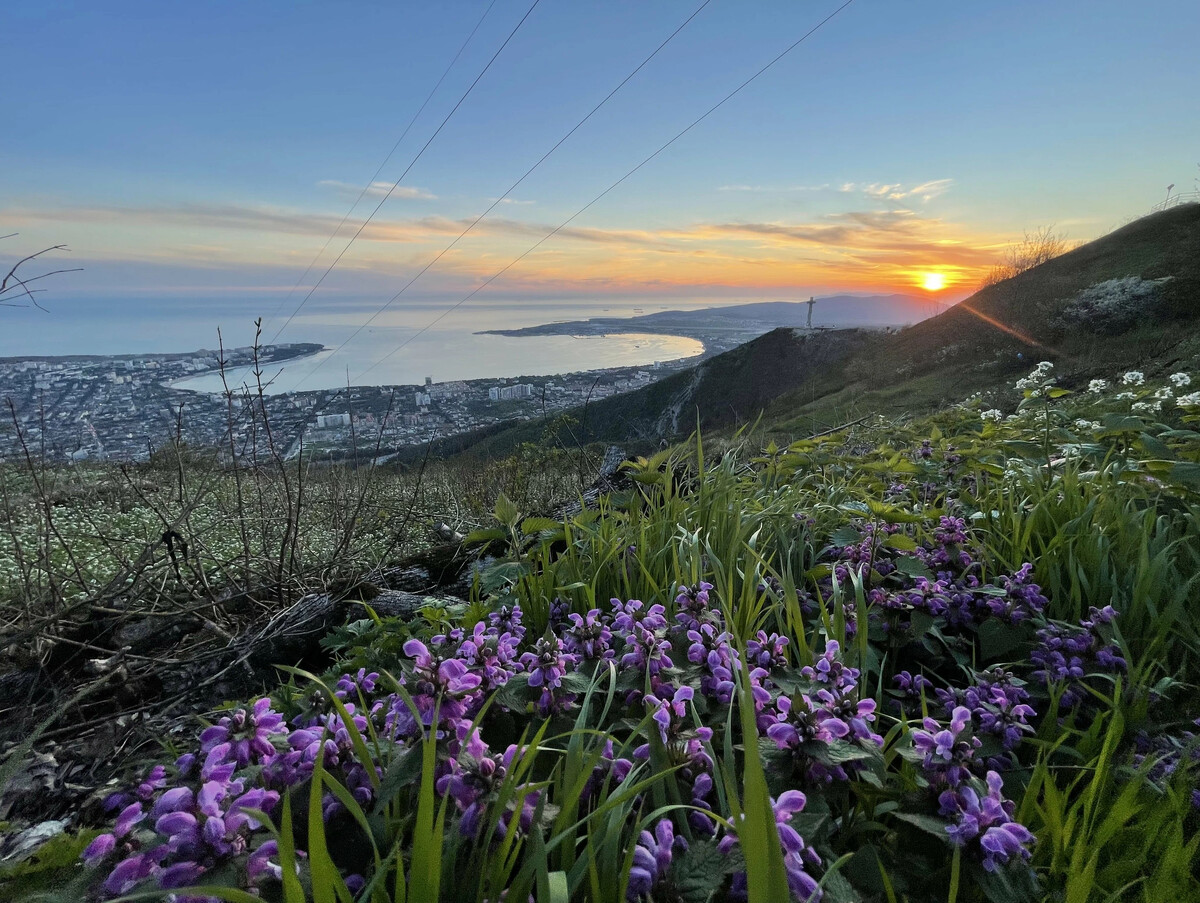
pixel 195 157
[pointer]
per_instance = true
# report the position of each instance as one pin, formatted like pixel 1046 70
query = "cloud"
pixel 513 201
pixel 895 191
pixel 380 189
pixel 875 246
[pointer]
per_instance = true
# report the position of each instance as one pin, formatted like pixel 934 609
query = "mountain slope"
pixel 801 382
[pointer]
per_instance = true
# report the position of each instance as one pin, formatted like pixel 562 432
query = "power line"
pixel 510 190
pixel 396 184
pixel 619 181
pixel 371 181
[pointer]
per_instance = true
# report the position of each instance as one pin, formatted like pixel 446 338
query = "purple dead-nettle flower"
pixel 260 868
pixel 856 714
pixel 508 620
pixel 589 636
pixel 1067 655
pixel 548 663
pixel 130 872
pixel 712 650
pixel 652 858
pixel 767 652
pixel 800 721
pixel 447 642
pixel 646 651
pixel 798 858
pixel 470 783
pixel 684 741
pixel 628 616
pixel 491 655
pixel 999 705
pixel 610 770
pixel 99 849
pixel 358 686
pixel 560 611
pixel 248 733
pixel 949 752
pixel 1022 599
pixel 433 677
pixel 913 686
pixel 693 607
pixel 154 781
pixel 701 823
pixel 829 671
pixel 988 820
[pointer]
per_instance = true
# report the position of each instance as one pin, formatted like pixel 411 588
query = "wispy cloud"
pixel 870 247
pixel 895 191
pixel 379 189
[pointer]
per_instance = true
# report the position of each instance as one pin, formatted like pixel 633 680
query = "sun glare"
pixel 933 282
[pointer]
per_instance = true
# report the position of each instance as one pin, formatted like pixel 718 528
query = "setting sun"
pixel 933 282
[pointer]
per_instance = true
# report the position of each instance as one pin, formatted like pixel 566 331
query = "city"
pixel 122 408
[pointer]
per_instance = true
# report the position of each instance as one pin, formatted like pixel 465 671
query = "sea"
pixel 402 347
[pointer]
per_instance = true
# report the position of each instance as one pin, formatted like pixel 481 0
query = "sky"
pixel 196 158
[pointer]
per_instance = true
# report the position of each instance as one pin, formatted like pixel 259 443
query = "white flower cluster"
pixel 1189 401
pixel 1125 396
pixel 1097 385
pixel 1164 394
pixel 1087 424
pixel 1133 378
pixel 993 414
pixel 1146 407
pixel 1037 381
pixel 1180 380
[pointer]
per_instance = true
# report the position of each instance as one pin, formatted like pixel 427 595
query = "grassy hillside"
pixel 802 383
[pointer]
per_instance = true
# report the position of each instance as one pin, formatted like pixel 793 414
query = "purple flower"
pixel 99 848
pixel 652 858
pixel 798 857
pixel 247 732
pixel 589 636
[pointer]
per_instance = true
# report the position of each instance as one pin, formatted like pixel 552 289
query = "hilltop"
pixel 797 381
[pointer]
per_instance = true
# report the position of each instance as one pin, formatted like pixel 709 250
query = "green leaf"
pixel 532 525
pixel 927 823
pixel 913 567
pixel 845 536
pixel 481 536
pixel 997 638
pixel 699 872
pixel 506 511
pixel 403 771
pixel 901 542
pixel 1186 473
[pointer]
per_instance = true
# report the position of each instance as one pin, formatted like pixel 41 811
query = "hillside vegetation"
pixel 943 659
pixel 793 383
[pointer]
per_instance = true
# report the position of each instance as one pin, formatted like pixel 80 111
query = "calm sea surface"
pixel 456 354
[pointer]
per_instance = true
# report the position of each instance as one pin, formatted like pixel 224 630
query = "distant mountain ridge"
pixel 830 311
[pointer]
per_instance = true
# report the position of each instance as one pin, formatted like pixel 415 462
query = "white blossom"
pixel 1189 401
pixel 1164 394
pixel 992 414
pixel 1146 407
pixel 1133 378
pixel 1097 385
pixel 1087 424
pixel 1125 396
pixel 1179 380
